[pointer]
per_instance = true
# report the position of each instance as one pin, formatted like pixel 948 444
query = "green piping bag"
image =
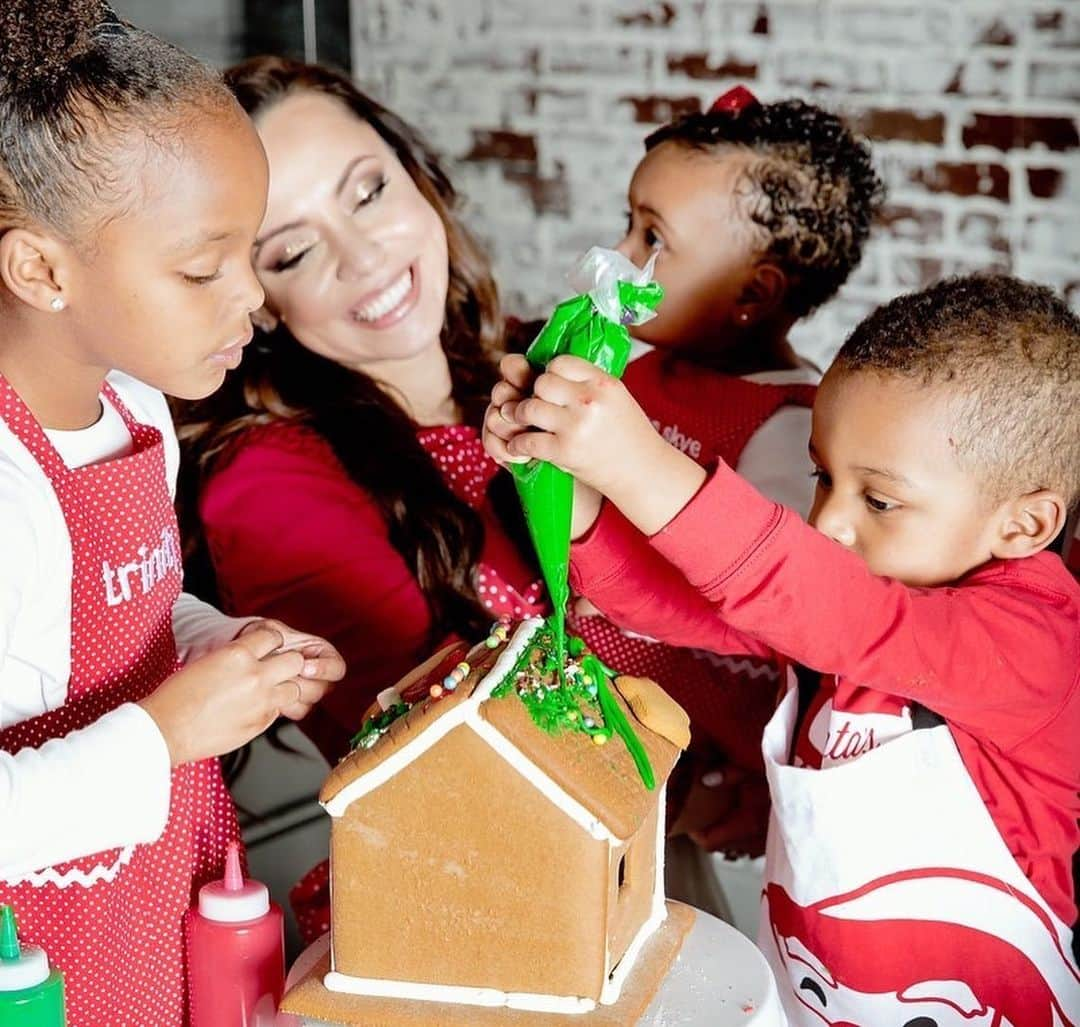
pixel 613 294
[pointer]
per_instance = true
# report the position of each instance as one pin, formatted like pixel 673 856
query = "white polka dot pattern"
pixel 119 941
pixel 458 452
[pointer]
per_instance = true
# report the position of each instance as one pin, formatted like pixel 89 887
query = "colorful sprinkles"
pixel 556 705
pixel 573 697
pixel 379 723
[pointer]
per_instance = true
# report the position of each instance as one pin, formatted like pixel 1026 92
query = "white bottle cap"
pixel 28 971
pixel 233 899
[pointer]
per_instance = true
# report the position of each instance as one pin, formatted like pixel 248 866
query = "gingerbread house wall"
pixel 458 872
pixel 631 890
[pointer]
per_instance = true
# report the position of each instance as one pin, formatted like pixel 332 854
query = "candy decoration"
pixel 435 691
pixel 376 726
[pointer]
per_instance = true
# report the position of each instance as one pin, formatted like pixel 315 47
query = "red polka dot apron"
pixel 112 920
pixel 458 452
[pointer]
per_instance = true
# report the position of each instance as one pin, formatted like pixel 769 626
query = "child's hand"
pixel 741 831
pixel 588 424
pixel 223 700
pixel 499 424
pixel 323 665
pixel 500 427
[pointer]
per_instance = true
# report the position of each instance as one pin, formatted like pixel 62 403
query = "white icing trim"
pixel 397 762
pixel 39 878
pixel 467 712
pixel 490 997
pixel 659 898
pixel 540 781
pixel 617 978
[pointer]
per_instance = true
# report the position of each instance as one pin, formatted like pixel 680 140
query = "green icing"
pixel 556 702
pixel 617 720
pixel 377 725
pixel 579 327
pixel 577 699
pixel 576 327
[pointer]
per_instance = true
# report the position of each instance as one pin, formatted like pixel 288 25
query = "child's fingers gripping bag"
pixel 612 295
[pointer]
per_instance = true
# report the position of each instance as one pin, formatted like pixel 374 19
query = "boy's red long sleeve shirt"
pixel 997 654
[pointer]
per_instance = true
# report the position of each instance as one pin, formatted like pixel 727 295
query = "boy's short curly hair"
pixel 810 186
pixel 1010 351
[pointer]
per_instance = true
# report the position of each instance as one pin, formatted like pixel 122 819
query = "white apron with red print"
pixel 891 899
pixel 112 921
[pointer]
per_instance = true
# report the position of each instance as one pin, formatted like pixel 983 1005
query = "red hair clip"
pixel 736 99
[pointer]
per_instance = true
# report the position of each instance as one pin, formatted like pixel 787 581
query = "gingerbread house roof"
pixel 598 786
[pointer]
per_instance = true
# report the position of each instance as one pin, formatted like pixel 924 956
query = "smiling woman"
pixel 338 477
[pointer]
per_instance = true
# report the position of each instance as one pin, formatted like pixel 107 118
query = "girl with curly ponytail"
pixel 756 214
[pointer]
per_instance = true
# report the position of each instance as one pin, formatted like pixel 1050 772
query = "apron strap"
pixel 809 682
pixel 141 434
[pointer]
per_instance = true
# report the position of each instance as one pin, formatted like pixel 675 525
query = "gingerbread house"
pixel 478 859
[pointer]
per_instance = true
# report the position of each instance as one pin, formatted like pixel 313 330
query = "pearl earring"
pixel 57 303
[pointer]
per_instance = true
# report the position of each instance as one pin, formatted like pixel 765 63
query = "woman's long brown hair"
pixel 439 536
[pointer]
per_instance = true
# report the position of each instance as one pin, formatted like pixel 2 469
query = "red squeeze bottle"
pixel 235 952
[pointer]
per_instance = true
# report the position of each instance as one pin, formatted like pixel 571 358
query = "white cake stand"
pixel 719 979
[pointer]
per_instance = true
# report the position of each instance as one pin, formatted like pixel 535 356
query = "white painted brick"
pixel 562 15
pixel 810 70
pixel 919 73
pixel 905 25
pixel 573 74
pixel 1052 236
pixel 1054 80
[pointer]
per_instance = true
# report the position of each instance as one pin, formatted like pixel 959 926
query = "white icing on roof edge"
pixel 467 713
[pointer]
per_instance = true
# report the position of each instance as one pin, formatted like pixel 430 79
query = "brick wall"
pixel 540 107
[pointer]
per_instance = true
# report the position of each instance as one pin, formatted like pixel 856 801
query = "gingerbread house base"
pixel 310 999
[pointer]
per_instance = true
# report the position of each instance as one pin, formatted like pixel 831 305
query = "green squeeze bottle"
pixel 31 993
